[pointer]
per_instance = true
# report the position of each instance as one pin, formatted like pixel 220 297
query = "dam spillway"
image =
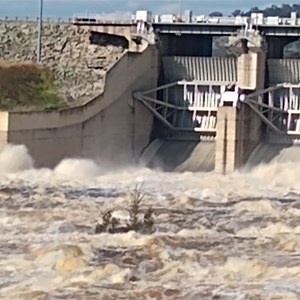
pixel 206 112
pixel 212 236
pixel 180 156
pixel 199 83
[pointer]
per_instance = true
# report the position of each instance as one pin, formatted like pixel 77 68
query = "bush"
pixel 27 86
pixel 113 225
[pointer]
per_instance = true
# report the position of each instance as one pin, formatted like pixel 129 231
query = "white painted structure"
pixel 143 16
pixel 146 16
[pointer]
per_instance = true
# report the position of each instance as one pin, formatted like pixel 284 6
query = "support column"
pixel 251 70
pixel 228 156
pixel 250 133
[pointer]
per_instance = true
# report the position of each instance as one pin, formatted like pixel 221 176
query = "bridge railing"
pixel 34 20
pixel 127 18
pixel 104 18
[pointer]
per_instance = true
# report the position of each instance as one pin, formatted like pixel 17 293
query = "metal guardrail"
pixel 73 20
pixel 105 18
pixel 35 19
pixel 102 22
pixel 127 18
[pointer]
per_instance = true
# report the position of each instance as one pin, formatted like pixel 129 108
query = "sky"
pixel 69 8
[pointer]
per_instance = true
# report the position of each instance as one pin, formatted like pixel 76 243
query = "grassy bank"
pixel 27 86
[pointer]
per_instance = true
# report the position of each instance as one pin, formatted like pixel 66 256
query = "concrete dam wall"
pixel 110 127
pixel 98 73
pixel 191 155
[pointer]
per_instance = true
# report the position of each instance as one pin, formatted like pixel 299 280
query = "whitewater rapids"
pixel 216 237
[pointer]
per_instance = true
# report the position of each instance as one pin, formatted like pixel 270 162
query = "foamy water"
pixel 216 237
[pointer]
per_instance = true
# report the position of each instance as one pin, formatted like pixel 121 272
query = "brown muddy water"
pixel 216 237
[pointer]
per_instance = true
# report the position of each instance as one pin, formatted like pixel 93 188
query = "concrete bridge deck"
pixel 280 30
pixel 225 29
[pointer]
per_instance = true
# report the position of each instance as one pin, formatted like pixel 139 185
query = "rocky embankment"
pixel 78 61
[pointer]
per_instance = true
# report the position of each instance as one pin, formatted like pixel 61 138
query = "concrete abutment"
pixel 111 129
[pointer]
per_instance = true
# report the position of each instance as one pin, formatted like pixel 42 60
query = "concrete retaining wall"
pixel 110 128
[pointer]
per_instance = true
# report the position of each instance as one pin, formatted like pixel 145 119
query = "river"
pixel 215 237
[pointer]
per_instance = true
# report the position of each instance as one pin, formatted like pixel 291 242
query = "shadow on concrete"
pixel 182 156
pixel 174 70
pixel 105 39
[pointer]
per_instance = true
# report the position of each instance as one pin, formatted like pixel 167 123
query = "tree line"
pixel 283 11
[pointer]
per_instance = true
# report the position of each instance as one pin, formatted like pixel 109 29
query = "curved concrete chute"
pixel 180 156
pixel 269 153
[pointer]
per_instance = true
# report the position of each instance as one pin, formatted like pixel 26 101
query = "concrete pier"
pixel 239 132
pixel 239 128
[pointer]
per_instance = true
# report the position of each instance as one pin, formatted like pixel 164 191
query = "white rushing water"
pixel 216 237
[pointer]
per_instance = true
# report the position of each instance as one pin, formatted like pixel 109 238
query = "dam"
pixel 168 102
pixel 136 100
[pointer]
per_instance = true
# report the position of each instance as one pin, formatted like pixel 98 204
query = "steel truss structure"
pixel 171 115
pixel 277 112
